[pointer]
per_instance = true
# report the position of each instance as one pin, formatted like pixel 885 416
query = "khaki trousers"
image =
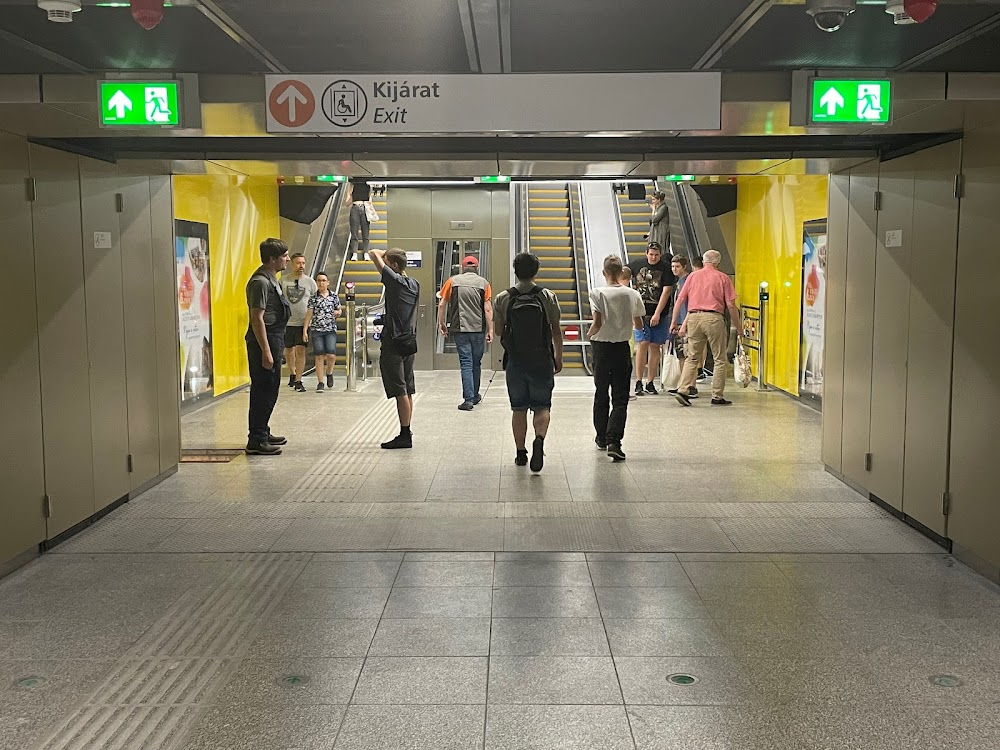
pixel 705 329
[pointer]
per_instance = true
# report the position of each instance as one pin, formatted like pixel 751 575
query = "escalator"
pixel 550 237
pixel 635 223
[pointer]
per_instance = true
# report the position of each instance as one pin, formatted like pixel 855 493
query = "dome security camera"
pixel 829 15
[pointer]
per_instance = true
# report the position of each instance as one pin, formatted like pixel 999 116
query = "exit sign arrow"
pixel 292 97
pixel 120 103
pixel 832 100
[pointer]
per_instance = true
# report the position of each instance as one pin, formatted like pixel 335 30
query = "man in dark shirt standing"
pixel 269 313
pixel 399 338
pixel 653 279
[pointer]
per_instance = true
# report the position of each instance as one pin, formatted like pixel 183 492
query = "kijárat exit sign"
pixel 133 104
pixel 851 102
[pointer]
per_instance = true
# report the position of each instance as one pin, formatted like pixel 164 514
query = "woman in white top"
pixel 618 310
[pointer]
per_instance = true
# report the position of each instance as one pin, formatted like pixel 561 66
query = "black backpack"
pixel 527 333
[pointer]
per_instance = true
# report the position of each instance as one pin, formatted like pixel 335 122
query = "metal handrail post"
pixel 364 343
pixel 351 346
pixel 764 296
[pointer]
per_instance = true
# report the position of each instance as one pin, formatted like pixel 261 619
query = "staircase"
pixel 550 239
pixel 367 284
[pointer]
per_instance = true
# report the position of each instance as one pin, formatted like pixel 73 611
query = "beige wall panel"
pixel 463 204
pixel 501 213
pixel 22 472
pixel 836 301
pixel 500 265
pixel 140 328
pixel 62 338
pixel 409 212
pixel 165 309
pixel 858 323
pixel 974 522
pixel 932 299
pixel 105 332
pixel 891 332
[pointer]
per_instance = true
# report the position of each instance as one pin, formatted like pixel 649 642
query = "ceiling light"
pixel 60 11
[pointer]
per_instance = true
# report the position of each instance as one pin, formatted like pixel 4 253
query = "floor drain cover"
pixel 682 679
pixel 29 683
pixel 946 681
pixel 292 680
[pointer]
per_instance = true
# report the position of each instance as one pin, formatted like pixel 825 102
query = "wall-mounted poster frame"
pixel 194 305
pixel 814 260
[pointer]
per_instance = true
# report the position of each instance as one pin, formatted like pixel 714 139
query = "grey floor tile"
pixel 672 637
pixel 782 637
pixel 422 680
pixel 720 681
pixel 541 556
pixel 907 680
pixel 562 727
pixel 740 574
pixel 462 601
pixel 412 728
pixel 650 603
pixel 293 636
pixel 826 681
pixel 559 534
pixel 638 574
pixel 266 728
pixel 538 601
pixel 334 534
pixel 672 535
pixel 555 636
pixel 545 680
pixel 541 573
pixel 449 556
pixel 441 636
pixel 319 603
pixel 432 573
pixel 292 681
pixel 348 574
pixel 475 534
pixel 784 535
pixel 708 727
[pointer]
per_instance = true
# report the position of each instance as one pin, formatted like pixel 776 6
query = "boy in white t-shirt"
pixel 618 310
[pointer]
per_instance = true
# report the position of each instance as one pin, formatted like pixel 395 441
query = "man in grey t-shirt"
pixel 298 288
pixel 466 312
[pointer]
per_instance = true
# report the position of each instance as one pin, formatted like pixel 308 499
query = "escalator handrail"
pixel 622 241
pixel 578 243
pixel 326 234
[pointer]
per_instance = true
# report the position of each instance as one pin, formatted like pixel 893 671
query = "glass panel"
pixel 448 257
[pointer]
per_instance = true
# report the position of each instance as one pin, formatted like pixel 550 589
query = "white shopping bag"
pixel 370 213
pixel 670 368
pixel 741 366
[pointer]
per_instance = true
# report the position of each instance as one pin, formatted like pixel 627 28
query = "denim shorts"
pixel 530 387
pixel 324 342
pixel 653 334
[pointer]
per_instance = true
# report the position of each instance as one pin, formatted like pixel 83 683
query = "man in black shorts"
pixel 399 338
pixel 298 288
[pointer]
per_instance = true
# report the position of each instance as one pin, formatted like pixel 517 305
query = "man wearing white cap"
pixel 466 311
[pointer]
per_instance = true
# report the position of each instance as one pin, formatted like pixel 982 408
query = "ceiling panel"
pixel 979 55
pixel 389 165
pixel 787 38
pixel 319 36
pixel 624 35
pixel 583 165
pixel 14 59
pixel 109 39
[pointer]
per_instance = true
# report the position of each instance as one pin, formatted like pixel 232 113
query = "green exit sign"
pixel 140 105
pixel 493 178
pixel 854 102
pixel 331 178
pixel 679 178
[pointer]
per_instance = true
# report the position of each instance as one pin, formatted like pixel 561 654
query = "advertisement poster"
pixel 813 309
pixel 194 303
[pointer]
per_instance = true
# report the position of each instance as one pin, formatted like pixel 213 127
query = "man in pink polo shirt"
pixel 708 293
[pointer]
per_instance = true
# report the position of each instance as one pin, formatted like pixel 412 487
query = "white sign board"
pixel 894 238
pixel 511 103
pixel 102 240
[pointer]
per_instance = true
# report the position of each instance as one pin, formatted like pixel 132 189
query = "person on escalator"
pixel 659 222
pixel 361 195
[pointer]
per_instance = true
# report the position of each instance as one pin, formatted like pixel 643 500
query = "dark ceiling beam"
pixel 486 26
pixel 745 21
pixel 239 35
pixel 48 54
pixel 983 27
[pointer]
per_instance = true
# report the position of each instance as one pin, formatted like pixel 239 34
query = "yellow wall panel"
pixel 240 212
pixel 770 215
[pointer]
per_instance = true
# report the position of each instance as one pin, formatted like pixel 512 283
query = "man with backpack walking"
pixel 526 318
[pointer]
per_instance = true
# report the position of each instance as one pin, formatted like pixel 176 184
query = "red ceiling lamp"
pixel 920 10
pixel 147 13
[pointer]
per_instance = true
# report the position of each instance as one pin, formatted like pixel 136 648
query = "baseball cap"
pixel 470 260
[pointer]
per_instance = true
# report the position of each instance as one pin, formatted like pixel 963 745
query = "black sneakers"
pixel 477 400
pixel 291 381
pixel 638 388
pixel 521 459
pixel 276 440
pixel 262 449
pixel 320 387
pixel 721 402
pixel 615 451
pixel 537 454
pixel 601 443
pixel 465 406
pixel 651 389
pixel 682 398
pixel 400 441
pixel 300 387
pixel 329 381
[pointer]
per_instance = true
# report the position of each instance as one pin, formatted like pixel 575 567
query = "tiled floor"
pixel 342 597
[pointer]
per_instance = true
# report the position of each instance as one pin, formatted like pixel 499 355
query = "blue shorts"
pixel 324 342
pixel 530 388
pixel 653 334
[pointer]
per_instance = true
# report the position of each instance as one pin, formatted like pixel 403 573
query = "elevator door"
pixel 448 256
